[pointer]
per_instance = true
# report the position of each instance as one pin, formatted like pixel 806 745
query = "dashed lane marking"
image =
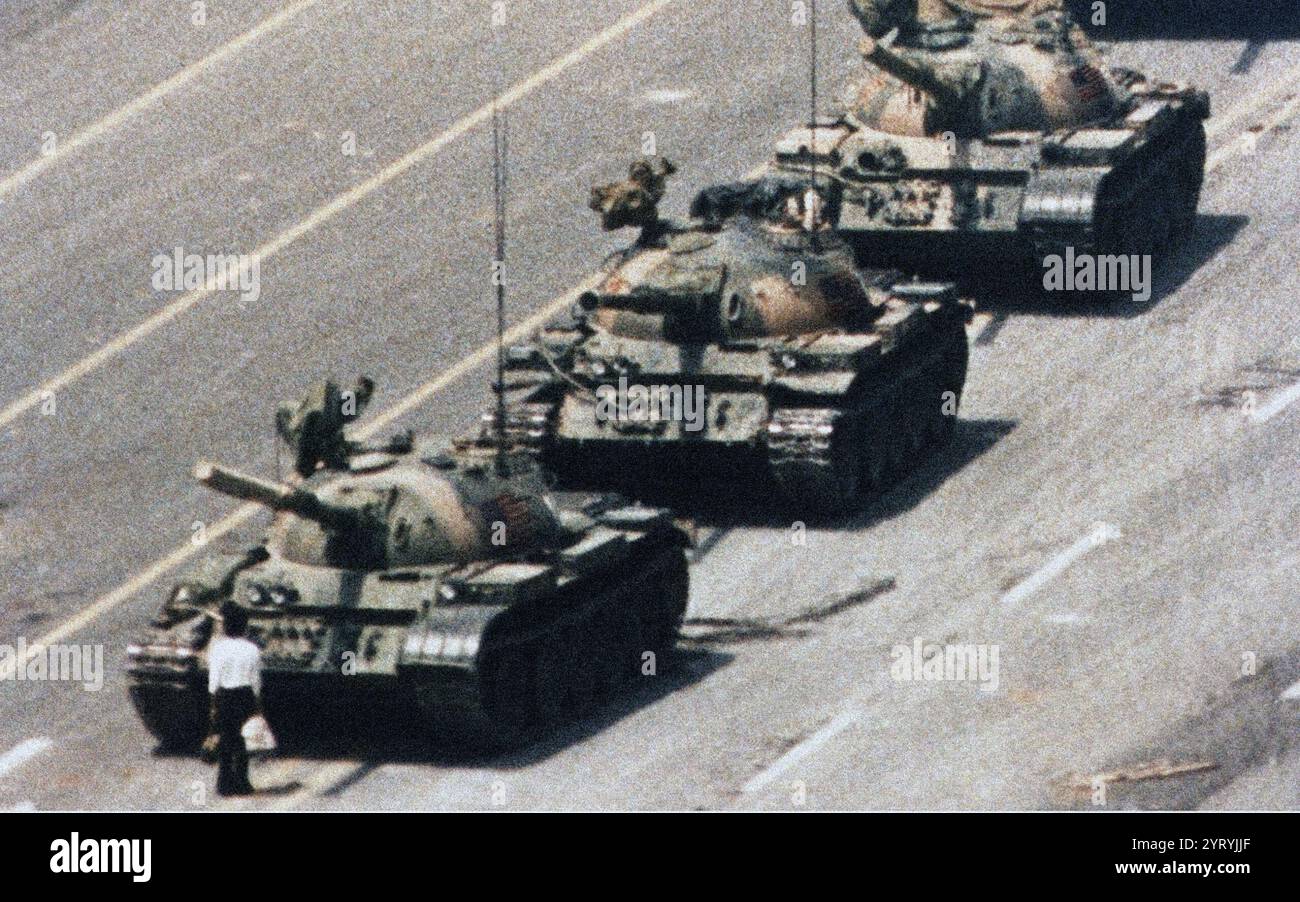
pixel 801 751
pixel 1100 534
pixel 1265 412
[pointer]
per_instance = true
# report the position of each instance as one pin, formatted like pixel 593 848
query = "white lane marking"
pixel 801 751
pixel 1256 102
pixel 1246 141
pixel 23 752
pixel 1264 413
pixel 22 807
pixel 1100 534
pixel 1291 693
pixel 669 95
pixel 328 211
pixel 98 129
pixel 1064 618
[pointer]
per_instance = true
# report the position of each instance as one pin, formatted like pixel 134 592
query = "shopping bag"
pixel 257 734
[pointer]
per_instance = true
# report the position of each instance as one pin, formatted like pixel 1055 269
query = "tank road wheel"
pixel 582 672
pixel 1128 228
pixel 815 456
pixel 920 409
pixel 1188 177
pixel 177 718
pixel 951 380
pixel 663 608
pixel 618 634
pixel 549 676
pixel 875 467
pixel 510 691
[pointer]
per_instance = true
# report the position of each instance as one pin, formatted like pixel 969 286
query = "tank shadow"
pixel 971 440
pixel 1005 296
pixel 373 736
pixel 276 790
pixel 1192 20
pixel 1245 728
pixel 737 502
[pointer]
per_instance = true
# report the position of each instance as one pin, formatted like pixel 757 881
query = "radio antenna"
pixel 809 212
pixel 499 154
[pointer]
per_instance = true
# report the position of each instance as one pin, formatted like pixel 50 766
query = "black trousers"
pixel 233 708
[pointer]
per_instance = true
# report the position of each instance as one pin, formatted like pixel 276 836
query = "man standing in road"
pixel 235 684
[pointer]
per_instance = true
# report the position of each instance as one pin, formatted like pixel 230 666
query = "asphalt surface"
pixel 1172 635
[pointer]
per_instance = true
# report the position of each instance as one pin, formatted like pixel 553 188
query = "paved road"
pixel 229 137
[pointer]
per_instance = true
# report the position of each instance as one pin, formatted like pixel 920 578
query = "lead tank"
pixel 744 338
pixel 967 141
pixel 447 584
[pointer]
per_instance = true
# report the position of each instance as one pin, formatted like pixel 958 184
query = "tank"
pixel 1004 140
pixel 446 585
pixel 744 338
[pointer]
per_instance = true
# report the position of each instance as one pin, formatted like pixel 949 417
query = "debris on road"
pixel 1160 769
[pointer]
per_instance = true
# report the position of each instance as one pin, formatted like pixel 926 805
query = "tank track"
pixel 831 459
pixel 175 714
pixel 1146 206
pixel 532 678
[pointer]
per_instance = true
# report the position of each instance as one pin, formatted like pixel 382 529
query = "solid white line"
pixel 1291 693
pixel 1245 142
pixel 23 752
pixel 801 751
pixel 1258 100
pixel 1277 405
pixel 1100 535
pixel 325 213
pixel 98 129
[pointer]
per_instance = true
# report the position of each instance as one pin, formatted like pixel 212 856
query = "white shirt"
pixel 234 664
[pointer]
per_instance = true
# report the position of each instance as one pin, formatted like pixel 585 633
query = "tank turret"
pixel 389 513
pixel 755 260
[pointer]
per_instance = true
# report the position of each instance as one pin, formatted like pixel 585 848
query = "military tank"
pixel 444 581
pixel 743 338
pixel 1005 140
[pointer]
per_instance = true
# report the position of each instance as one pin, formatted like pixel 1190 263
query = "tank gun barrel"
pixel 641 300
pixel 276 495
pixel 909 71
